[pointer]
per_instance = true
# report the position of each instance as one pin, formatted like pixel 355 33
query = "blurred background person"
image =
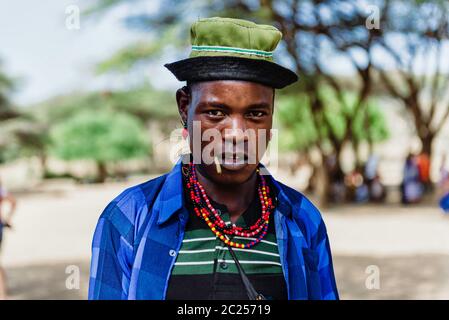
pixel 5 222
pixel 423 164
pixel 371 167
pixel 412 189
pixel 444 186
pixel 378 192
pixel 356 186
pixel 337 180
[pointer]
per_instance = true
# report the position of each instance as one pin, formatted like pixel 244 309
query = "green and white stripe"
pixel 226 248
pixel 254 262
pixel 251 52
pixel 199 251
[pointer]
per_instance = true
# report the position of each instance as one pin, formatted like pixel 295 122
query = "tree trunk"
pixel 102 172
pixel 427 143
pixel 322 186
pixel 326 178
pixel 43 163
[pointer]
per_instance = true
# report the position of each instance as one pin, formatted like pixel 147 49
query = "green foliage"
pixel 302 129
pixel 101 136
pixel 24 137
pixel 6 87
pixel 7 112
pixel 371 125
pixel 144 103
pixel 295 122
pixel 28 135
pixel 367 124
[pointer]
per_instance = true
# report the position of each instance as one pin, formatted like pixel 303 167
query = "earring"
pixel 185 132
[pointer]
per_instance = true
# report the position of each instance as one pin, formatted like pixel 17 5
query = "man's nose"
pixel 235 131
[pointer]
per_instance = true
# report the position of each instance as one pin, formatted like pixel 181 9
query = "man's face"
pixel 234 118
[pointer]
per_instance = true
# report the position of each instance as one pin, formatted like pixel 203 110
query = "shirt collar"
pixel 283 203
pixel 172 198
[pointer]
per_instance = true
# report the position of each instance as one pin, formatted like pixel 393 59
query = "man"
pixel 5 197
pixel 444 186
pixel 217 226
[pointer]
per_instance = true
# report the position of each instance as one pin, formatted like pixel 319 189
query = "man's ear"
pixel 183 99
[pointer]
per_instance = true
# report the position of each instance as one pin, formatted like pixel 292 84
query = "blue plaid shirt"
pixel 140 232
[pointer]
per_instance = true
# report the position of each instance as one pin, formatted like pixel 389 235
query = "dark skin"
pixel 231 105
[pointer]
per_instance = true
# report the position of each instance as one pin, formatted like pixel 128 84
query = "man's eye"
pixel 256 114
pixel 215 113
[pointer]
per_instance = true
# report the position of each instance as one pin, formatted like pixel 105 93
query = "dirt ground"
pixel 409 246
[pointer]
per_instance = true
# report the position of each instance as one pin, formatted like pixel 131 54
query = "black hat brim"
pixel 210 68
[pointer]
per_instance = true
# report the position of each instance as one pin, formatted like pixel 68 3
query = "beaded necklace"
pixel 204 210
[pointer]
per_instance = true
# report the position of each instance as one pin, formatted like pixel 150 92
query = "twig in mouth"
pixel 217 165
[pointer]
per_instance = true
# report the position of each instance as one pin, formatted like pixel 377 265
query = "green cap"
pixel 233 49
pixel 233 37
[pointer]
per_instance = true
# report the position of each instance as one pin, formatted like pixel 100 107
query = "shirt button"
pixel 223 265
pixel 172 253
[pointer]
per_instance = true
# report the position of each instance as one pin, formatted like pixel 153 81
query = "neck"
pixel 236 197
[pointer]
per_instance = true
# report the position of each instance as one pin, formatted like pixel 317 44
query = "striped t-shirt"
pixel 204 268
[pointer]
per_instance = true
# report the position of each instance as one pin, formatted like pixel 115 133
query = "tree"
pixel 413 64
pixel 100 136
pixel 25 137
pixel 28 135
pixel 304 133
pixel 7 112
pixel 142 102
pixel 6 87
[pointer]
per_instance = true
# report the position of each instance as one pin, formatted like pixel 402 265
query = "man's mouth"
pixel 234 157
pixel 233 160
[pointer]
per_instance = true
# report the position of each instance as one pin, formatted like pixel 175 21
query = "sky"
pixel 50 59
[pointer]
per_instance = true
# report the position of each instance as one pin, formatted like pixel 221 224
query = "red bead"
pixel 200 198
